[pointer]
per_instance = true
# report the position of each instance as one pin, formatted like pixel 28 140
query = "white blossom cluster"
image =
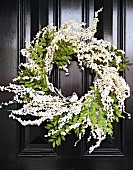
pixel 94 54
pixel 108 81
pixel 72 32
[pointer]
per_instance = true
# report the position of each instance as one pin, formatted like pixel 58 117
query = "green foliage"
pixel 31 81
pixel 64 53
pixel 37 52
pixel 123 65
pixel 92 109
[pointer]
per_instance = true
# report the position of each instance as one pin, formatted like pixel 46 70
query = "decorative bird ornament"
pixel 73 98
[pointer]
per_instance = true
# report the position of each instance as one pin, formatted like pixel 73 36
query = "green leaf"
pixel 76 130
pixel 20 73
pixel 110 125
pixel 36 86
pixel 94 105
pixel 44 44
pixel 51 140
pixel 57 143
pixel 75 119
pixel 55 122
pixel 90 97
pixel 117 119
pixel 53 144
pixel 86 103
pixel 63 138
pixel 48 125
pixel 59 140
pixel 110 132
pixel 42 39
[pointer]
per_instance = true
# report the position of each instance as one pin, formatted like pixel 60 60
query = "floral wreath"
pixel 97 109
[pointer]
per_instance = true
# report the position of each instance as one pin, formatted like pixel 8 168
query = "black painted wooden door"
pixel 25 148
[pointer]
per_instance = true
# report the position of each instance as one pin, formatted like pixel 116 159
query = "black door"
pixel 25 148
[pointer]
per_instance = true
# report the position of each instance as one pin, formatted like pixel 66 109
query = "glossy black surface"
pixel 25 148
